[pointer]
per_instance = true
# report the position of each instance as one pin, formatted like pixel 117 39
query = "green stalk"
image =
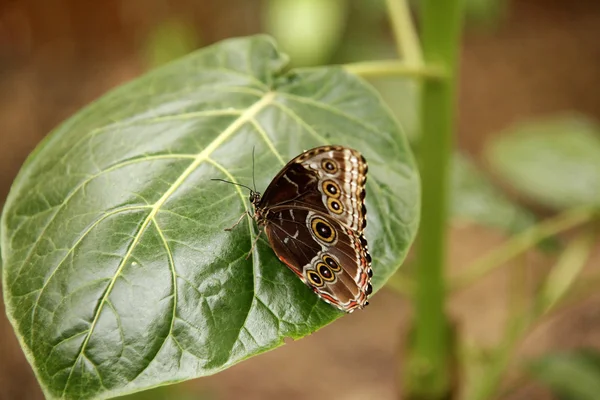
pixel 522 242
pixel 407 41
pixel 383 68
pixel 429 373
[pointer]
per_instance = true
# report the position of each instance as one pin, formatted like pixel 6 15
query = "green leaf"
pixel 476 200
pixel 572 376
pixel 555 161
pixel 309 30
pixel 402 96
pixel 565 272
pixel 118 275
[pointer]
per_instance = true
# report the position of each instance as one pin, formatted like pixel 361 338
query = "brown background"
pixel 544 57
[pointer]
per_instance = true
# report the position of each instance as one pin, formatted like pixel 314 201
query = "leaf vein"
pixel 292 114
pixel 254 253
pixel 330 108
pixel 203 156
pixel 80 186
pixel 174 282
pixel 83 235
pixel 267 140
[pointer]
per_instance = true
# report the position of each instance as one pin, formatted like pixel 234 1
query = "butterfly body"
pixel 314 215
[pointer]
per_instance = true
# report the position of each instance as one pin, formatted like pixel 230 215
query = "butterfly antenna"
pixel 233 183
pixel 253 181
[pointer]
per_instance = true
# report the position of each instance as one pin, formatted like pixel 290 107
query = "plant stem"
pixel 519 315
pixel 385 68
pixel 521 243
pixel 430 355
pixel 407 41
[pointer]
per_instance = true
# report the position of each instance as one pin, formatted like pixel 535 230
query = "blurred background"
pixel 524 60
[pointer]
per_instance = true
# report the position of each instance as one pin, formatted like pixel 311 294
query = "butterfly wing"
pixel 314 217
pixel 328 179
pixel 330 258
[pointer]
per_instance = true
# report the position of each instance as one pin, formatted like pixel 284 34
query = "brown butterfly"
pixel 314 214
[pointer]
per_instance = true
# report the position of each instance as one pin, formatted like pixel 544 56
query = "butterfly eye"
pixel 314 278
pixel 335 206
pixel 323 230
pixel 332 263
pixel 329 166
pixel 331 189
pixel 325 272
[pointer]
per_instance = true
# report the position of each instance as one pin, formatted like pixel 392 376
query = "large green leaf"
pixel 555 161
pixel 571 376
pixel 118 275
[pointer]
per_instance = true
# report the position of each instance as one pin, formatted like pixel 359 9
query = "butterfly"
pixel 313 213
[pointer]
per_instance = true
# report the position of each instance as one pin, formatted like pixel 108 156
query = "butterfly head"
pixel 254 198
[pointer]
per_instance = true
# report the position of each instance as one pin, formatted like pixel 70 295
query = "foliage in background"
pixel 553 161
pixel 474 199
pixel 571 375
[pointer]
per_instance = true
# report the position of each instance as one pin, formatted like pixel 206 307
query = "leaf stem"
pixel 384 68
pixel 429 364
pixel 407 41
pixel 521 243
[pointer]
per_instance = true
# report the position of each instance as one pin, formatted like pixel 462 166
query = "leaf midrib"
pixel 201 157
pixel 248 116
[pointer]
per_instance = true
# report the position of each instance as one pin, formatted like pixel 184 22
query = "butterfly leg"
pixel 238 221
pixel 254 243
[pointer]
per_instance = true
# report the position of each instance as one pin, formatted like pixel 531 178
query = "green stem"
pixel 407 41
pixel 521 243
pixel 519 315
pixel 385 68
pixel 429 376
